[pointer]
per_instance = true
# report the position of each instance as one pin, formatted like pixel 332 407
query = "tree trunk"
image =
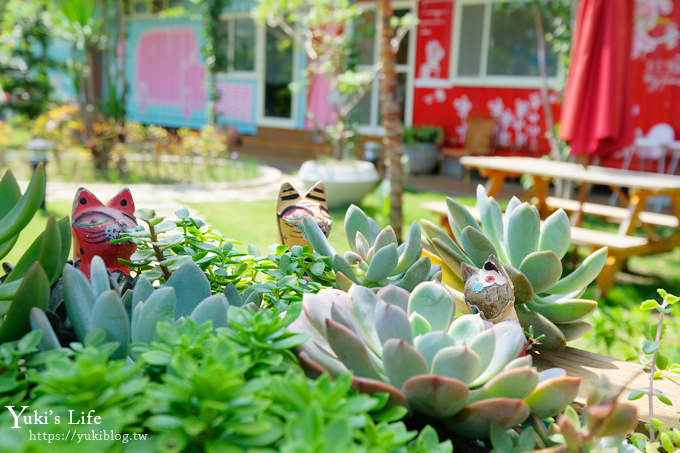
pixel 391 117
pixel 549 121
pixel 122 39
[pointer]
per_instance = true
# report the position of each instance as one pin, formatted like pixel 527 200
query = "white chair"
pixel 652 146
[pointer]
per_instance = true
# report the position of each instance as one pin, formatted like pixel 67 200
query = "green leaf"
pixel 649 347
pixel 459 217
pixel 191 287
pixel 542 268
pixel 556 233
pixel 412 249
pixel 109 314
pixel 583 275
pixel 492 219
pixel 476 246
pixel 356 220
pixel 649 304
pixel 383 263
pixel 636 395
pixel 39 322
pixel 500 440
pixel 34 291
pixel 402 361
pixel 22 212
pixel 664 399
pixel 522 233
pixel 78 299
pixel 432 301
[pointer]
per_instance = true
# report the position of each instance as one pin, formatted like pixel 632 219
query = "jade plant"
pixel 465 371
pixel 531 252
pixel 376 259
pixel 131 318
pixel 27 283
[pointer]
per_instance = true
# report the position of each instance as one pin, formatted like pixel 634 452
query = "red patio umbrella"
pixel 596 114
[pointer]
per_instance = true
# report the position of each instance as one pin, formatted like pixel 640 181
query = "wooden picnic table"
pixel 623 244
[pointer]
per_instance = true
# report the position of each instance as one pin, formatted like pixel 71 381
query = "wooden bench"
pixel 615 213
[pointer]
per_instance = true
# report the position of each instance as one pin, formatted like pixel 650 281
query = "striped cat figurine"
pixel 95 225
pixel 291 209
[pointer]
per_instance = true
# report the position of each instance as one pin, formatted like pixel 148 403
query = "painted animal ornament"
pixel 292 208
pixel 95 225
pixel 489 291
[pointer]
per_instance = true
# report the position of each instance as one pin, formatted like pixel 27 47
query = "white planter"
pixel 345 181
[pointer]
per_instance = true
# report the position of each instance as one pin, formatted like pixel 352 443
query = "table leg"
pixel 495 182
pixel 583 190
pixel 636 205
pixel 540 191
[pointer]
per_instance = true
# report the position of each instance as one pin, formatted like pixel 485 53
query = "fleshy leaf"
pixel 436 396
pixel 582 275
pixel 521 235
pixel 543 269
pixel 402 361
pixel 457 362
pixel 556 233
pixel 433 302
pixel 392 322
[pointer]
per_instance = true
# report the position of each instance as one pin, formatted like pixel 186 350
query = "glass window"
pixel 513 44
pixel 365 30
pixel 470 50
pixel 244 45
pixel 402 52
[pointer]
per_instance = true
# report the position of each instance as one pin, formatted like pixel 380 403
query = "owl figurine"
pixel 489 291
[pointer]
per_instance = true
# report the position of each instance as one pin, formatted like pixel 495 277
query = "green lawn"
pixel 35 227
pixel 255 222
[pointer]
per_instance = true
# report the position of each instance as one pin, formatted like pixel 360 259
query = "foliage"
pixel 282 277
pixel 376 259
pixel 651 357
pixel 531 252
pixel 24 61
pixel 27 283
pixel 603 425
pixel 423 134
pixel 465 371
pixel 17 359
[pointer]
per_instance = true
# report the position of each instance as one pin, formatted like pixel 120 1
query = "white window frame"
pixel 374 127
pixel 260 66
pixel 238 74
pixel 483 79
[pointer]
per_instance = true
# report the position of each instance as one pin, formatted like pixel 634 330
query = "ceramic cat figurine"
pixel 95 225
pixel 291 209
pixel 489 290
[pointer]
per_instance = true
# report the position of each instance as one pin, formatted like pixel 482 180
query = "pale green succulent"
pixel 465 371
pixel 531 252
pixel 92 304
pixel 376 259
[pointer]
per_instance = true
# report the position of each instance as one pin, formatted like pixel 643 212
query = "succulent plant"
pixel 531 252
pixel 467 371
pixel 27 283
pixel 132 318
pixel 376 259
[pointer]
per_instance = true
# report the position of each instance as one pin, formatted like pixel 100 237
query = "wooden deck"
pixel 589 367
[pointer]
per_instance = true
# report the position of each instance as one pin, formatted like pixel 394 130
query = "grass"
pixel 35 227
pixel 255 222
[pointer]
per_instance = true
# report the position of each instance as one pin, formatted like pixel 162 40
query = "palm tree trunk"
pixel 123 55
pixel 391 117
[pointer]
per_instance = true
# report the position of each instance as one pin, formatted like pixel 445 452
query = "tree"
pixel 391 114
pixel 323 29
pixel 24 61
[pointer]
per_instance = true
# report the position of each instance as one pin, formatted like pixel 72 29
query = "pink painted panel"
pixel 236 101
pixel 169 70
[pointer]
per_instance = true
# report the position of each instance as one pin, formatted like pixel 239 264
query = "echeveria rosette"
pixel 376 258
pixel 531 252
pixel 465 371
